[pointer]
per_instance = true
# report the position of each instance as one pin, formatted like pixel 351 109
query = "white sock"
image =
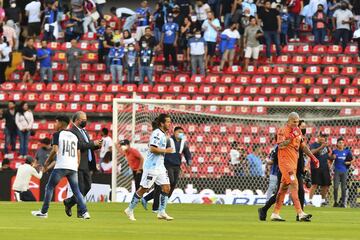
pixel 322 200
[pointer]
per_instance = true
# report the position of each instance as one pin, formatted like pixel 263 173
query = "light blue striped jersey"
pixel 156 161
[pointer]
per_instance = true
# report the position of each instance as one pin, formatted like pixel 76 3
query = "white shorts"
pixel 252 52
pixel 149 177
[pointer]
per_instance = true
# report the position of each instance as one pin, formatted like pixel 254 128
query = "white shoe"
pixel 130 214
pixel 163 215
pixel 39 214
pixel 276 218
pixel 85 215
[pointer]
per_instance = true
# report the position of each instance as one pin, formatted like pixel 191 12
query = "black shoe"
pixel 67 209
pixel 306 218
pixel 297 218
pixel 262 214
pixel 341 205
pixel 336 205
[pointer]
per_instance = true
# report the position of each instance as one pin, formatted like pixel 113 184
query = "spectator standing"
pixel 342 20
pixel 90 16
pixel 252 45
pixel 284 25
pixel 231 37
pixel 5 51
pixel 225 10
pixel 100 4
pixel 77 13
pixel 159 19
pixel 10 130
pixel 116 56
pixel 184 35
pixel 23 178
pixel 271 22
pixel 10 34
pixel 73 56
pixel 178 17
pixel 356 10
pixel 106 143
pixel 169 40
pixel 43 152
pixel 236 158
pixel 33 13
pixel 146 63
pixel 321 176
pixel 13 13
pixel 70 30
pixel 100 34
pixel 294 7
pixel 131 61
pixel 185 7
pixel 274 171
pixel 197 53
pixel 29 57
pixel 44 55
pixel 148 38
pixel 319 25
pixel 201 10
pixel 50 24
pixel 134 159
pixel 343 158
pixel 143 14
pixel 255 163
pixel 211 26
pixel 24 119
pixel 127 39
pixel 107 45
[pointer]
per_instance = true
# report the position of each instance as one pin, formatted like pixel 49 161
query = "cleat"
pixel 305 217
pixel 164 216
pixel 276 218
pixel 39 214
pixel 144 203
pixel 130 214
pixel 262 214
pixel 336 205
pixel 67 209
pixel 86 215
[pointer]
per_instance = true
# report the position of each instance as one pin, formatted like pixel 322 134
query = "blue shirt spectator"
pixel 231 36
pixel 144 14
pixel 284 22
pixel 170 29
pixel 341 157
pixel 42 52
pixel 255 165
pixel 322 155
pixel 116 55
pixel 274 158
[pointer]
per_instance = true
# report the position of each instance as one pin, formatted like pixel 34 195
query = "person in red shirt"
pixel 135 161
pixel 320 21
pixel 295 7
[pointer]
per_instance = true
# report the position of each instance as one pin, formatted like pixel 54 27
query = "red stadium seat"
pixel 296 69
pixel 276 99
pixel 221 89
pixel 38 87
pixel 83 87
pixel 15 76
pixel 289 49
pixel 273 80
pixel 356 82
pixel 212 79
pixel 160 88
pixel 57 107
pixel 84 45
pixel 342 99
pixel 30 97
pixel 114 88
pixel 304 49
pixel 244 98
pixel 264 70
pixel 307 99
pixel 76 97
pixel 94 47
pixel 105 77
pixel 329 60
pixel 325 99
pixel 257 79
pixel 98 67
pixel 205 89
pixel 106 97
pixel 292 99
pixel 144 88
pixel 65 46
pixel 59 57
pixel 90 57
pixel 333 91
pixel 197 79
pixel 319 49
pixel 342 81
pixel 61 97
pixel 234 69
pixel 68 87
pixel 8 86
pixel 351 49
pixel 174 88
pixel 89 36
pixel 331 70
pixel 298 90
pixel 283 59
pixel 236 89
pixel 90 77
pixel 313 70
pixel 46 97
pixel 3 96
pixel 229 98
pixel 334 49
pixel 243 79
pixel 316 91
pixel 279 70
pixel 349 70
pixel 260 99
pixel 166 78
pixel 326 80
pixel 73 107
pixel 289 80
pixel 351 91
pixel 313 60
pixel 306 80
pixel 99 88
pixel 347 112
pixel 182 78
pixel 298 59
pixel 183 97
pixel 16 96
pixel 85 67
pixel 282 90
pixel 88 107
pixel 61 77
pixel 251 70
pixel 91 97
pixel 267 90
pixel 251 90
pixel 104 108
pixel 344 60
pixel 42 107
pixel 227 79
pixel 130 88
pixel 55 66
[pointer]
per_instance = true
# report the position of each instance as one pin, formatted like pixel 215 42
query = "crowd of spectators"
pixel 230 31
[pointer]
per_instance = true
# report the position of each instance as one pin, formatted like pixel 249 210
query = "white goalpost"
pixel 212 127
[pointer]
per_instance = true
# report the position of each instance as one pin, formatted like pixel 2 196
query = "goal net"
pixel 213 128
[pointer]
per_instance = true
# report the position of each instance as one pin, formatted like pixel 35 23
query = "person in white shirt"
pixel 106 143
pixel 24 120
pixel 201 10
pixel 5 51
pixel 342 22
pixel 235 159
pixel 66 148
pixel 106 164
pixel 33 13
pixel 211 27
pixel 22 180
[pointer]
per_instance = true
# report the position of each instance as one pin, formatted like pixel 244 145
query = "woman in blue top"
pixel 343 158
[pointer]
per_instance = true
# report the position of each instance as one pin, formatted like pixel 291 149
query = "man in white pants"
pixel 154 170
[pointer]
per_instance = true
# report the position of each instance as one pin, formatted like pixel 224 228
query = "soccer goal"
pixel 213 128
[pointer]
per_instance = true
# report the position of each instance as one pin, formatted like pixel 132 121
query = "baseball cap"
pixel 124 142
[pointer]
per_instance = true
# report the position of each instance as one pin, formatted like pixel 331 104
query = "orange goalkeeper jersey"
pixel 289 155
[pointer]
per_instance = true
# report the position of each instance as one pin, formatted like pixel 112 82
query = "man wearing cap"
pixel 321 176
pixel 135 161
pixel 43 152
pixel 22 180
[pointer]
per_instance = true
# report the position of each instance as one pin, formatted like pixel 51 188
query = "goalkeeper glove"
pixel 295 133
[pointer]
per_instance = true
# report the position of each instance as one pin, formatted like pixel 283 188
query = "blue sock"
pixel 134 201
pixel 164 197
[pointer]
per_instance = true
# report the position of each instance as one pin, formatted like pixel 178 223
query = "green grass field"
pixel 191 222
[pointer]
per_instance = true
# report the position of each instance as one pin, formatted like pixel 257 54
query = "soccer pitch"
pixel 191 222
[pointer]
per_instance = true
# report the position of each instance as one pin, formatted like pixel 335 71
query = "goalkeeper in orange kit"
pixel 289 141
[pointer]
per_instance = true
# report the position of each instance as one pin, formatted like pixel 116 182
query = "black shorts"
pixel 34 29
pixel 31 68
pixel 211 46
pixel 320 177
